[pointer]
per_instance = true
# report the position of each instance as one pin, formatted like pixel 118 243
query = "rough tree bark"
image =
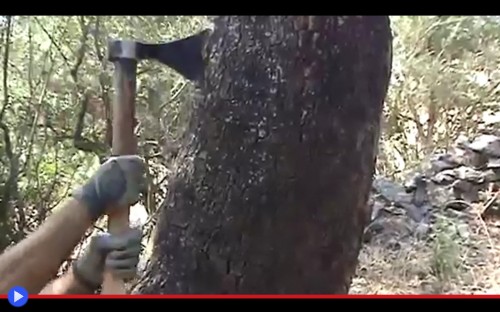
pixel 270 193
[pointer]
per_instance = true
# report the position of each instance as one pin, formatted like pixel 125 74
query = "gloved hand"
pixel 120 180
pixel 117 253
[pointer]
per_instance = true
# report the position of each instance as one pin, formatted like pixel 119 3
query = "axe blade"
pixel 184 55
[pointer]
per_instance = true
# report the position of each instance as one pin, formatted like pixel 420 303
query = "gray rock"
pixel 457 214
pixel 463 230
pixel 376 209
pixel 440 195
pixel 493 163
pixel 486 144
pixel 469 174
pixel 442 162
pixel 416 213
pixel 466 191
pixel 393 244
pixel 457 205
pixel 422 230
pixel 491 175
pixel 390 191
pixel 445 177
pixel 415 182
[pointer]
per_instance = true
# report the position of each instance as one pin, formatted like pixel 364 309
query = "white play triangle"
pixel 17 296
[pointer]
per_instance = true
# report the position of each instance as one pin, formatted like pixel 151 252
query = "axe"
pixel 185 57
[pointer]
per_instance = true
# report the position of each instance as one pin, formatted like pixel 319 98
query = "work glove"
pixel 118 181
pixel 117 253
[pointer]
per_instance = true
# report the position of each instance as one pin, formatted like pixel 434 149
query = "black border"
pixel 258 7
pixel 139 304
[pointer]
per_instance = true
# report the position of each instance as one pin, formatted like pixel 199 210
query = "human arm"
pixel 67 284
pixel 35 260
pixel 117 253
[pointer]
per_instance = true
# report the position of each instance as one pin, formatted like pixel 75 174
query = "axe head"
pixel 185 56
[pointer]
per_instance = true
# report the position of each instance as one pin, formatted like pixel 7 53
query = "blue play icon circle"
pixel 18 296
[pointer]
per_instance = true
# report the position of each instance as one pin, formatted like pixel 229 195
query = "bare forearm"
pixel 34 261
pixel 65 285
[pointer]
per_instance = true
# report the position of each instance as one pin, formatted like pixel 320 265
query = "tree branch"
pixel 6 67
pixel 80 142
pixel 104 83
pixel 10 186
pixel 81 51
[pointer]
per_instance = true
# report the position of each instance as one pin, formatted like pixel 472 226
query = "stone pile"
pixel 466 175
pixel 470 172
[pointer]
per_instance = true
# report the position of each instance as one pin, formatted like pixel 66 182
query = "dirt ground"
pixel 460 255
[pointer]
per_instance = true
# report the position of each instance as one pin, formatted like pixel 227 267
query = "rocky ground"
pixel 437 233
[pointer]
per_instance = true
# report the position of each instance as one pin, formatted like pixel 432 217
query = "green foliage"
pixel 446 251
pixel 444 80
pixel 54 64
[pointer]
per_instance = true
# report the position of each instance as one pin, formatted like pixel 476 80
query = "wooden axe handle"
pixel 117 223
pixel 124 143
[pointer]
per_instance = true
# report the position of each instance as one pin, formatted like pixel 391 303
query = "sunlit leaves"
pixel 45 99
pixel 446 67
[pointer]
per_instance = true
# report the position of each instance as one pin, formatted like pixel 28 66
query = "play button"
pixel 18 296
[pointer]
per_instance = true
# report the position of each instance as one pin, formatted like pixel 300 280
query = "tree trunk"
pixel 270 193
